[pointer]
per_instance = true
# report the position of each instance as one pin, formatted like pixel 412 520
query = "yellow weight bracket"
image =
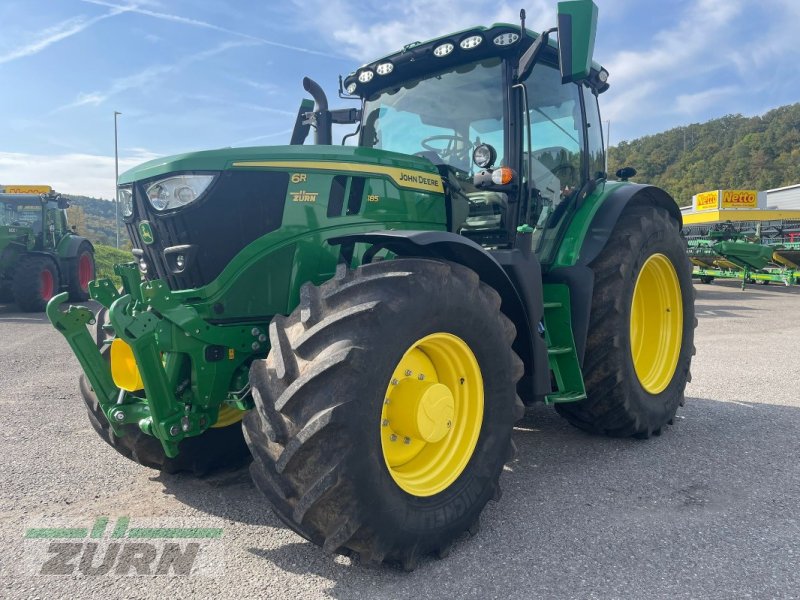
pixel 124 371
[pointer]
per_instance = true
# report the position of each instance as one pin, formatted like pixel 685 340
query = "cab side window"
pixel 556 135
pixel 594 135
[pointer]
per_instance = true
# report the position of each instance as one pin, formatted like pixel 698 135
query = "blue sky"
pixel 190 75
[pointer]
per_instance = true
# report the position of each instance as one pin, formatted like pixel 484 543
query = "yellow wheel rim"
pixel 432 414
pixel 228 415
pixel 656 323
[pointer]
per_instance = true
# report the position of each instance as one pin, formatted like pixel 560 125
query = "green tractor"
pixel 380 314
pixel 39 254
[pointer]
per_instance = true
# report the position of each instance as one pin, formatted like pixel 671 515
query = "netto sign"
pixel 726 199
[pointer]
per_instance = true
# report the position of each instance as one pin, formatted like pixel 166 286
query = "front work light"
pixel 384 68
pixel 365 76
pixel 177 191
pixel 484 156
pixel 443 50
pixel 471 42
pixel 506 39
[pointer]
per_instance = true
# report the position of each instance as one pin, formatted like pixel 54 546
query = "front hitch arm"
pixel 72 324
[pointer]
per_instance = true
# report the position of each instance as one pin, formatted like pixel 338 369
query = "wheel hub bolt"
pixel 395 382
pixel 255 331
pixel 408 372
pixel 385 422
pixel 174 430
pixel 421 377
pixel 393 438
pixel 406 440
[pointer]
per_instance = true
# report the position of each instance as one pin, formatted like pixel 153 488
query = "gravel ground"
pixel 709 509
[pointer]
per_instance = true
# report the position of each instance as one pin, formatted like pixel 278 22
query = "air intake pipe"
pixel 321 118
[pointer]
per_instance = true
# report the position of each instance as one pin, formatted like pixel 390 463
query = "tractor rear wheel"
pixel 81 272
pixel 221 446
pixel 641 329
pixel 385 408
pixel 35 282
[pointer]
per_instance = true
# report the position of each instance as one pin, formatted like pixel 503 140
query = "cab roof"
pixel 419 58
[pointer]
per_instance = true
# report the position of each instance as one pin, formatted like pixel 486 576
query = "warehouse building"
pixel 784 198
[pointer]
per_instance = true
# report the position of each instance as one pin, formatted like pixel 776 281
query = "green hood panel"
pixel 223 159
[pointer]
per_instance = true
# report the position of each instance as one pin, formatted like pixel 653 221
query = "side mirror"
pixel 577 26
pixel 63 203
pixel 625 173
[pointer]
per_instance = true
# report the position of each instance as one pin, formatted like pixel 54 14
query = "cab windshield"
pixel 17 214
pixel 440 116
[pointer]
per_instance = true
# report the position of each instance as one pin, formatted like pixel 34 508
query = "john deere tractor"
pixel 39 254
pixel 380 314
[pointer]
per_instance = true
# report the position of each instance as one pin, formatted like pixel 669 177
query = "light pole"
pixel 116 178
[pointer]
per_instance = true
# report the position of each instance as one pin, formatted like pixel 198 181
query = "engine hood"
pixel 228 158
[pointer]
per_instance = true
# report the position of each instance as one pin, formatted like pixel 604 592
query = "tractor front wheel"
pixel 641 329
pixel 385 408
pixel 219 447
pixel 35 282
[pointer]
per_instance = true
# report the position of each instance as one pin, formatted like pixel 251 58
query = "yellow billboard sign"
pixel 28 189
pixel 739 199
pixel 707 201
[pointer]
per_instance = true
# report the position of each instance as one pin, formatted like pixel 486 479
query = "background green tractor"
pixel 39 254
pixel 381 313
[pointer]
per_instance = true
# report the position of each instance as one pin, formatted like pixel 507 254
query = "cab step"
pixel 561 353
pixel 560 397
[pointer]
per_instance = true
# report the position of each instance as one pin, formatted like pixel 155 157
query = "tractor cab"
pixel 33 217
pixel 512 127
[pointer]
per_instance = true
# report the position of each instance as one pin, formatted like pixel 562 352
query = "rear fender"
pixel 583 247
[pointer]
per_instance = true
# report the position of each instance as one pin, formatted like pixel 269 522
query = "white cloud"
pixel 692 104
pixel 74 173
pixel 59 32
pixel 365 33
pixel 700 67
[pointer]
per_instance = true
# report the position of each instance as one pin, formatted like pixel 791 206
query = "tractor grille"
pixel 238 208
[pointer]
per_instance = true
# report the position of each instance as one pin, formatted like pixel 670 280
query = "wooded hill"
pixel 94 219
pixel 733 152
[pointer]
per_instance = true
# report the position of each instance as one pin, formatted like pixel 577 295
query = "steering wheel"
pixel 457 147
pixel 565 172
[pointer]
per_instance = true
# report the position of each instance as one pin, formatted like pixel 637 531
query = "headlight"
pixel 174 192
pixel 125 199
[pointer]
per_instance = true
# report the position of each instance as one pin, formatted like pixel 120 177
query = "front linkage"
pixel 185 368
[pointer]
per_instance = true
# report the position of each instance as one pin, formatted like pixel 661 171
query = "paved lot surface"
pixel 710 509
